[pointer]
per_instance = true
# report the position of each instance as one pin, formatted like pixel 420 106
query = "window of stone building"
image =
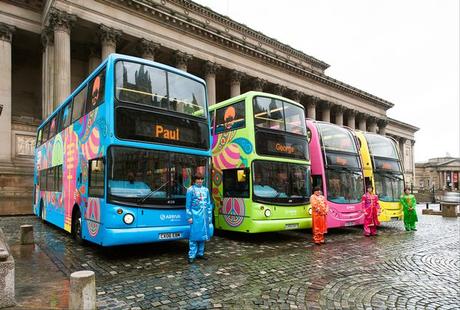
pixel 231 117
pixel 79 104
pixel 96 92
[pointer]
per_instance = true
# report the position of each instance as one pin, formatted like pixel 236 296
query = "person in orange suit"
pixel 319 211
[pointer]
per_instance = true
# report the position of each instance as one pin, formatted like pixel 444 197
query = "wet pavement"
pixel 395 270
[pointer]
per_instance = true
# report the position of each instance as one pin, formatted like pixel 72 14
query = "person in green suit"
pixel 408 203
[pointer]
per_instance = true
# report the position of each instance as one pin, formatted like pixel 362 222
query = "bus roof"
pixel 251 94
pixel 113 58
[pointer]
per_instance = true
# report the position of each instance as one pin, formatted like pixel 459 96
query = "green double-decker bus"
pixel 261 167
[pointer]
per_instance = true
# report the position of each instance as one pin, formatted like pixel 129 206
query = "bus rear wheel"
pixel 76 227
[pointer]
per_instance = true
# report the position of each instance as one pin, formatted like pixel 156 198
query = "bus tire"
pixel 77 226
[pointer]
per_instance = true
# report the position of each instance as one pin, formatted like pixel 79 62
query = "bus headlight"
pixel 128 218
pixel 309 211
pixel 267 212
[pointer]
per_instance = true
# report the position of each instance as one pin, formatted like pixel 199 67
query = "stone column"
pixel 440 180
pixel 402 143
pixel 296 95
pixel 362 121
pixel 93 58
pixel 47 38
pixel 235 83
pixel 279 90
pixel 338 111
pixel 412 161
pixel 311 107
pixel 148 49
pixel 351 122
pixel 259 84
pixel 6 35
pixel 181 60
pixel 382 126
pixel 372 120
pixel 210 69
pixel 61 23
pixel 326 111
pixel 109 38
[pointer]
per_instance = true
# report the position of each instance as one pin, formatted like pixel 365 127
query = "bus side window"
pixel 236 182
pixel 39 138
pixel 96 92
pixel 79 104
pixel 58 178
pixel 65 116
pixel 46 131
pixel 96 178
pixel 42 180
pixel 230 118
pixel 53 127
pixel 50 179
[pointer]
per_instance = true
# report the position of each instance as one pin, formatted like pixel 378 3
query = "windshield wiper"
pixel 391 176
pixel 143 199
pixel 344 169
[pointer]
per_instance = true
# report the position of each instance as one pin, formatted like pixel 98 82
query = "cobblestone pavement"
pixel 395 270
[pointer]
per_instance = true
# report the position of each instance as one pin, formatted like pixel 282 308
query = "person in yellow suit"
pixel 409 203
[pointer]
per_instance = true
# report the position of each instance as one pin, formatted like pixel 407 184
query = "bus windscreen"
pixel 142 84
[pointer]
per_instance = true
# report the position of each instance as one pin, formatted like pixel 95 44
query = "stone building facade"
pixel 47 47
pixel 441 173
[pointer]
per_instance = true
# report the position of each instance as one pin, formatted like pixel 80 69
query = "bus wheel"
pixel 76 227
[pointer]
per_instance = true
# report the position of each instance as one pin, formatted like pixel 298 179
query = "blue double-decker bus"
pixel 113 162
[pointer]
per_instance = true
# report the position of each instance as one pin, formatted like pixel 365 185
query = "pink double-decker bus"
pixel 336 167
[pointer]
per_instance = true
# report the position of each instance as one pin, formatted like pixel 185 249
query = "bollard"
pixel 3 254
pixel 82 290
pixel 6 274
pixel 27 234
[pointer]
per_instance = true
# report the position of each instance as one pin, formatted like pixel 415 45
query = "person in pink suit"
pixel 371 209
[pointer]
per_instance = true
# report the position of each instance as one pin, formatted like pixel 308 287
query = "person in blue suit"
pixel 199 215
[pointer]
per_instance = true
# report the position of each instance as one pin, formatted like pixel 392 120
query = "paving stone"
pixel 282 270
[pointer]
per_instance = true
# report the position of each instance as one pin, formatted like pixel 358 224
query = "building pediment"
pixel 454 163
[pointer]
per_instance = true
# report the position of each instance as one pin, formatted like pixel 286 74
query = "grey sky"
pixel 403 51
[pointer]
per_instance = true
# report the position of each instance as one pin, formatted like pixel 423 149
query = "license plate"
pixel 349 223
pixel 291 226
pixel 394 219
pixel 170 236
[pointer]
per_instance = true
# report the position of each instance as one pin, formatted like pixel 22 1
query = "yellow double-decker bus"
pixel 383 169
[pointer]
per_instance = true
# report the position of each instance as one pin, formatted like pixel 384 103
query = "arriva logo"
pixel 170 217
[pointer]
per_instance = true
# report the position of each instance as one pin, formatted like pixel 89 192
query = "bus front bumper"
pixel 137 235
pixel 259 226
pixel 389 215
